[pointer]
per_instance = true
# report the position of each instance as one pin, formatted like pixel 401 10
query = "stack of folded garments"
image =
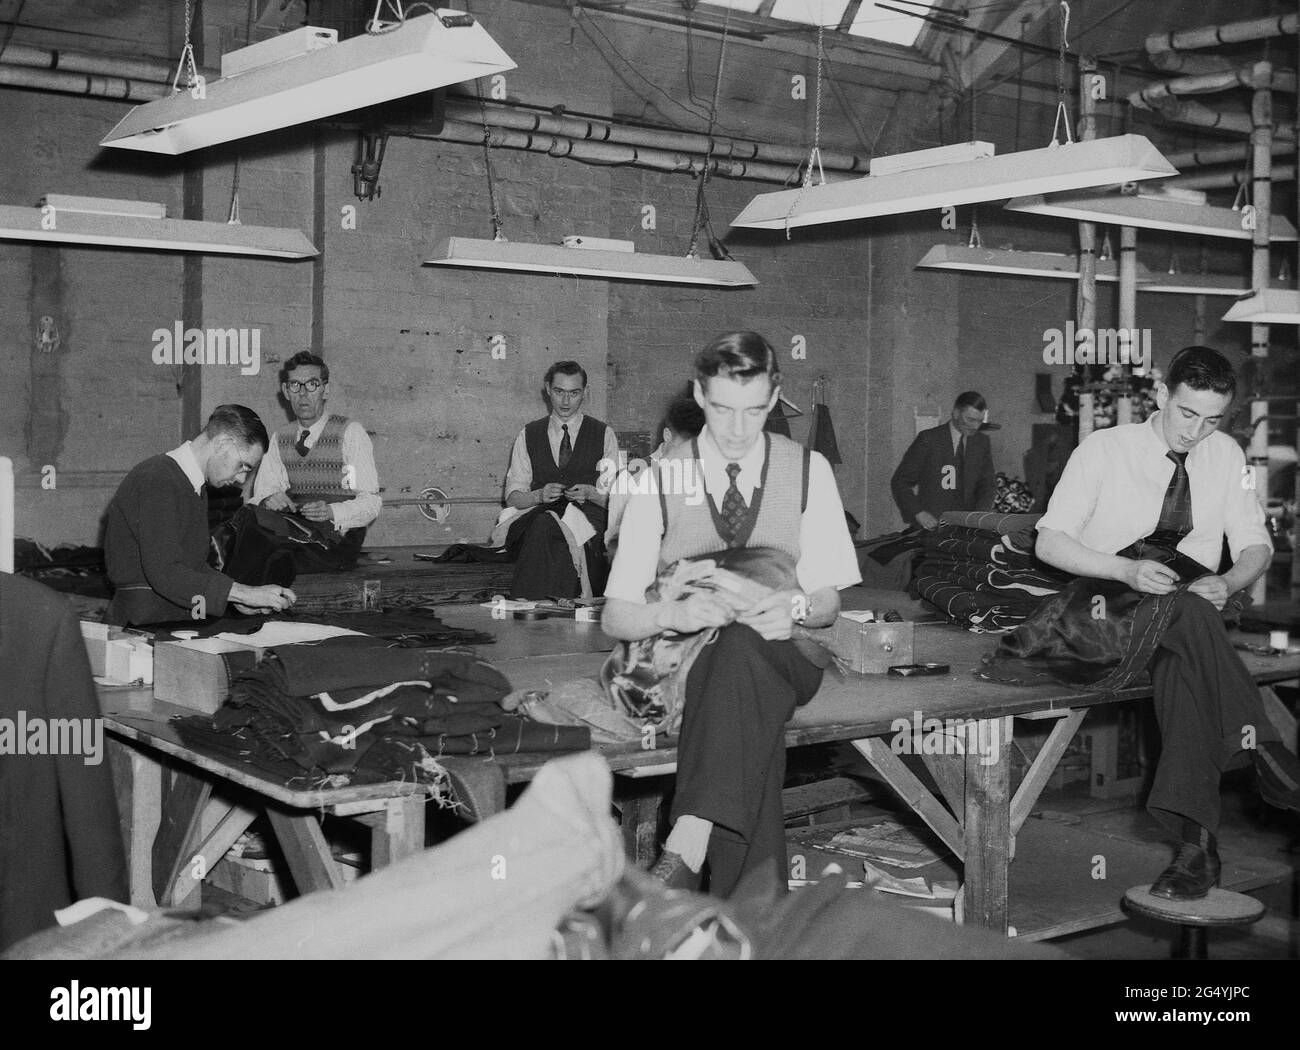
pixel 355 710
pixel 979 569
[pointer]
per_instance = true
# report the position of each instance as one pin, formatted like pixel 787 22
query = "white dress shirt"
pixel 189 463
pixel 358 453
pixel 1114 485
pixel 519 477
pixel 826 554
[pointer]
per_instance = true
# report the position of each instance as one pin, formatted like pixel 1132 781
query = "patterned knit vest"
pixel 775 508
pixel 321 473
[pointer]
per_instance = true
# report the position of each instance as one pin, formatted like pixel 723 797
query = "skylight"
pixel 867 19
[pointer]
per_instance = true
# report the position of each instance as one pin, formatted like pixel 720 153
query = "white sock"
pixel 689 839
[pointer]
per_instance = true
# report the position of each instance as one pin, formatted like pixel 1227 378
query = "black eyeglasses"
pixel 297 386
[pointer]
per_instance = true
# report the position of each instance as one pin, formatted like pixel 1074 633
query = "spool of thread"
pixel 1279 640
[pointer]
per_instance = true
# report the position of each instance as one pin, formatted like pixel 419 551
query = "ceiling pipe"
pixel 1178 62
pixel 79 84
pixel 1202 116
pixel 1201 158
pixel 1256 76
pixel 585 128
pixel 1220 180
pixel 1215 36
pixel 612 154
pixel 55 59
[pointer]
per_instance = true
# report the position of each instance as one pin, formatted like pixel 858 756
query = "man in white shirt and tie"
pixel 555 465
pixel 321 466
pixel 762 491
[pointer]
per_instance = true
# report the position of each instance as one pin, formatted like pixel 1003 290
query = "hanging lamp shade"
pixel 922 180
pixel 142 224
pixel 1271 306
pixel 309 74
pixel 1152 208
pixel 576 260
pixel 1019 263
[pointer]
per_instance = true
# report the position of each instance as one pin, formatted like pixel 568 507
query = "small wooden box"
pixel 198 673
pixel 869 648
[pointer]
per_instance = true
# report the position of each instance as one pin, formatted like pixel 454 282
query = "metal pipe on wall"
pixel 1228 33
pixel 1127 310
pixel 1204 158
pixel 1257 75
pixel 1220 180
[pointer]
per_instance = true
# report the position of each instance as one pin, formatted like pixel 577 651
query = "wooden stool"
pixel 1217 908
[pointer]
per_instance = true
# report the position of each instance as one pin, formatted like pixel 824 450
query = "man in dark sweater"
pixel 555 465
pixel 156 543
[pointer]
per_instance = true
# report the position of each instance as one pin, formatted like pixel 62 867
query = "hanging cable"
pixel 233 218
pixel 1062 111
pixel 701 220
pixel 497 234
pixel 815 155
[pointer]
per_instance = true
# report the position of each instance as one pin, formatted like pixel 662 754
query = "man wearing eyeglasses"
pixel 321 466
pixel 156 540
pixel 554 480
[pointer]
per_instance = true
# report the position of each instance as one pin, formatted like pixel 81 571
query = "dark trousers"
pixel 544 567
pixel 1206 705
pixel 740 693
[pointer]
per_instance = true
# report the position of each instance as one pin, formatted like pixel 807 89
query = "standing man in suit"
pixel 949 467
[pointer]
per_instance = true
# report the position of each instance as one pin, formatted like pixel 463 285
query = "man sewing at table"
pixel 1130 493
pixel 156 541
pixel 949 467
pixel 745 684
pixel 321 466
pixel 554 479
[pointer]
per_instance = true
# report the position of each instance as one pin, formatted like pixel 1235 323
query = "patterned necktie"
pixel 301 446
pixel 734 507
pixel 566 447
pixel 1176 514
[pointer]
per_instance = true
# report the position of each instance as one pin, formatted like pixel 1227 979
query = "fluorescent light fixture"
pixel 1075 165
pixel 1153 210
pixel 1272 306
pixel 477 254
pixel 141 224
pixel 1026 264
pixel 316 80
pixel 1196 284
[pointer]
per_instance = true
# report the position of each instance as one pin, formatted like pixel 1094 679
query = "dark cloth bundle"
pixel 366 710
pixel 983 579
pixel 1097 634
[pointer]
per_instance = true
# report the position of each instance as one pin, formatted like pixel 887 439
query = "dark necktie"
pixel 961 467
pixel 1176 514
pixel 734 507
pixel 301 446
pixel 566 447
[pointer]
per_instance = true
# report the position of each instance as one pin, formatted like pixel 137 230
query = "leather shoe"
pixel 1191 876
pixel 674 873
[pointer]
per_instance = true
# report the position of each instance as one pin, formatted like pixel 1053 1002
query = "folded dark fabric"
pixel 884 549
pixel 353 660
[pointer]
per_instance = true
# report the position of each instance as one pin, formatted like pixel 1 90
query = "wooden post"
pixel 1261 140
pixel 1086 311
pixel 1129 339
